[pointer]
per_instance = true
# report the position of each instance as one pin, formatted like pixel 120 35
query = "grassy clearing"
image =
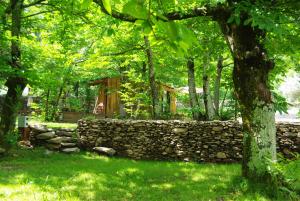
pixel 35 175
pixel 54 125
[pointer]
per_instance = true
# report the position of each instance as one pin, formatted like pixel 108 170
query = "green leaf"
pixel 85 4
pixel 136 9
pixel 107 6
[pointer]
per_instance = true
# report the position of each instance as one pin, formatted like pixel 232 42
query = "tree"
pixel 245 25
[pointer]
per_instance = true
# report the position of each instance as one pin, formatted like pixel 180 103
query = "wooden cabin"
pixel 108 102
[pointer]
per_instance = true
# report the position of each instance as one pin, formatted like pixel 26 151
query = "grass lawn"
pixel 36 176
pixel 35 121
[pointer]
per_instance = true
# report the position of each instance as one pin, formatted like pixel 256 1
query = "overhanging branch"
pixel 33 3
pixel 213 12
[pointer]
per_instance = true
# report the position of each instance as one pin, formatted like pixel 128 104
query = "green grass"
pixel 35 175
pixel 52 124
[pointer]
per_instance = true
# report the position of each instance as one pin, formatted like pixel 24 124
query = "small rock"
pixel 58 140
pixel 45 136
pixel 105 151
pixel 68 144
pixel 179 130
pixel 221 155
pixel 64 133
pixel 53 146
pixel 217 129
pixel 71 150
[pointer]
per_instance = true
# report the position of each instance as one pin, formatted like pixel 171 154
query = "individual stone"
pixel 58 140
pixel 68 144
pixel 221 155
pixel 53 146
pixel 105 151
pixel 179 130
pixel 70 150
pixel 64 133
pixel 217 129
pixel 46 136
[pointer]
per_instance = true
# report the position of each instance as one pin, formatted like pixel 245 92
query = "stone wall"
pixel 63 140
pixel 214 141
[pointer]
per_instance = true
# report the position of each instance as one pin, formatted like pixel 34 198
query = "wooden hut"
pixel 108 102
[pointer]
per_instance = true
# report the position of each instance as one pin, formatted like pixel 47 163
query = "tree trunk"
pixel 15 83
pixel 56 104
pixel 47 105
pixel 209 109
pixel 250 77
pixel 217 86
pixel 192 89
pixel 153 88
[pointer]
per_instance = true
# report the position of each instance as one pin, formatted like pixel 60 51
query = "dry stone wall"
pixel 216 141
pixel 63 140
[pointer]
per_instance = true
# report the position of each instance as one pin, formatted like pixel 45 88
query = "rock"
pixel 40 128
pixel 99 141
pixel 179 130
pixel 46 136
pixel 53 146
pixel 68 144
pixel 221 155
pixel 58 140
pixel 71 150
pixel 217 129
pixel 105 151
pixel 64 133
pixel 25 144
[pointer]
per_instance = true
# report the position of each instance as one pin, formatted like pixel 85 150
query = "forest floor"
pixel 37 175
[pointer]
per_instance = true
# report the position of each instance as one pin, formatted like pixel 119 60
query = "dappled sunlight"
pixel 87 176
pixel 163 186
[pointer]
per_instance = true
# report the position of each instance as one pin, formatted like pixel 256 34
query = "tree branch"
pixel 33 3
pixel 213 12
pixel 122 52
pixel 46 11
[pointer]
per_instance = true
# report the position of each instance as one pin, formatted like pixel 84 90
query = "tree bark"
pixel 47 105
pixel 56 104
pixel 208 104
pixel 194 104
pixel 250 77
pixel 153 88
pixel 15 83
pixel 217 86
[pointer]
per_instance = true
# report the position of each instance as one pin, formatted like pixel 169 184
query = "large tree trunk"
pixel 153 88
pixel 15 83
pixel 208 104
pixel 194 104
pixel 217 86
pixel 250 76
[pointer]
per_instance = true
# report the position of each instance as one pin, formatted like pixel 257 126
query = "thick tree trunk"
pixel 208 104
pixel 14 83
pixel 250 76
pixel 217 86
pixel 153 88
pixel 192 89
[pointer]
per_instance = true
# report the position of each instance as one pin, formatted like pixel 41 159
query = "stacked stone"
pixel 57 140
pixel 288 138
pixel 214 141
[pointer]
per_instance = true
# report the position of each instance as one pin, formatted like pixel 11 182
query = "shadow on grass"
pixel 33 175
